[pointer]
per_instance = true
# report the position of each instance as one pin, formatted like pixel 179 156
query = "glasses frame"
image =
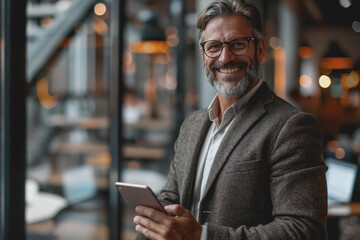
pixel 202 44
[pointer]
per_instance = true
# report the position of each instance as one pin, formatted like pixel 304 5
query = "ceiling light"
pixel 335 58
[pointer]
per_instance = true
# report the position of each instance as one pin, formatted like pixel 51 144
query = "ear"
pixel 260 50
pixel 202 54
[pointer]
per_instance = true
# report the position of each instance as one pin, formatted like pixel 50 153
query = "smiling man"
pixel 250 166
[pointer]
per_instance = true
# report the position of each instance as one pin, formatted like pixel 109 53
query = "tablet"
pixel 136 194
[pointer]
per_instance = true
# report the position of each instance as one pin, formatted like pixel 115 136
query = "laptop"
pixel 341 179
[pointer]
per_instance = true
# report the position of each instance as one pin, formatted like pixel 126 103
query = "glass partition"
pixel 150 83
pixel 153 93
pixel 68 68
pixel 69 100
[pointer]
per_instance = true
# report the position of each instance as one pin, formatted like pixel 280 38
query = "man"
pixel 250 166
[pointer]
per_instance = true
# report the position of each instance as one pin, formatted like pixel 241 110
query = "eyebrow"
pixel 232 39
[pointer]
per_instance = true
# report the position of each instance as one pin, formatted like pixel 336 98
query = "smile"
pixel 228 70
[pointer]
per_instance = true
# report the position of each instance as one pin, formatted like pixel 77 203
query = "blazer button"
pixel 206 212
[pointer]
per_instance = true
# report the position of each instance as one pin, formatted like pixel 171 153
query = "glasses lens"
pixel 238 46
pixel 212 48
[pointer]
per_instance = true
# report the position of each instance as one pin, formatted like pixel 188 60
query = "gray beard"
pixel 242 86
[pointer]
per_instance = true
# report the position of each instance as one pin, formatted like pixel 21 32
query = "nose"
pixel 226 55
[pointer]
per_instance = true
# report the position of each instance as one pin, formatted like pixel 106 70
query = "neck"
pixel 226 102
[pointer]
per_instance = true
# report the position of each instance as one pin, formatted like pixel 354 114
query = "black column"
pixel 12 107
pixel 115 106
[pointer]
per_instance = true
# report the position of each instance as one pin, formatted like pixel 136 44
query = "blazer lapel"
pixel 198 132
pixel 246 118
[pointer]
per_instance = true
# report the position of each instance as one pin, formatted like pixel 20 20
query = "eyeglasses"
pixel 238 46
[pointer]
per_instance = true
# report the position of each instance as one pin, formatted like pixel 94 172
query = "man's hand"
pixel 159 226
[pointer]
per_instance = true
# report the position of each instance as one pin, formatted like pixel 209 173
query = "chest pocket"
pixel 244 166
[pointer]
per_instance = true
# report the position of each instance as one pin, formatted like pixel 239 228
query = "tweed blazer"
pixel 268 177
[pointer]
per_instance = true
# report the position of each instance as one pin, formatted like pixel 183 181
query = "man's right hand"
pixel 158 226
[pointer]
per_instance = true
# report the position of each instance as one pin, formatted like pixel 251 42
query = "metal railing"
pixel 47 41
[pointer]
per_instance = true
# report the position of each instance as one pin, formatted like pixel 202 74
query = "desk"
pixel 335 213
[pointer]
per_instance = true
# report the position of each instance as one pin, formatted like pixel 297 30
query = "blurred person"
pixel 250 166
pixel 134 109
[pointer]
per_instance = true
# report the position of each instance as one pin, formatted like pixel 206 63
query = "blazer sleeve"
pixel 297 186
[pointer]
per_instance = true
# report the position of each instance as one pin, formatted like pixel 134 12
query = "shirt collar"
pixel 214 106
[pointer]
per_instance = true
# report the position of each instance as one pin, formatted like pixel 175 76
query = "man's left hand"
pixel 160 226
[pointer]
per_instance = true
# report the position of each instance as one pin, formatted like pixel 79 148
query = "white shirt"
pixel 212 141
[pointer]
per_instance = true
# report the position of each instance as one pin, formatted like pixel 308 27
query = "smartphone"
pixel 136 194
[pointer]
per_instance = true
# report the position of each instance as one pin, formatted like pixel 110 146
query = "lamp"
pixel 305 51
pixel 336 59
pixel 152 36
pixel 153 42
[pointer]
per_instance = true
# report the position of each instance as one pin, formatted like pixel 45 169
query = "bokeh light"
pixel 170 82
pixel 100 27
pixel 275 42
pixel 324 81
pixel 127 58
pixel 171 30
pixel 46 22
pixel 100 9
pixel 339 153
pixel 350 80
pixel 356 26
pixel 128 65
pixel 305 81
pixel 345 3
pixel 173 40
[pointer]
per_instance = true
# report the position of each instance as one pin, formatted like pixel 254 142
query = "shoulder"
pixel 273 104
pixel 195 117
pixel 196 114
pixel 283 118
pixel 193 127
pixel 282 112
pixel 290 113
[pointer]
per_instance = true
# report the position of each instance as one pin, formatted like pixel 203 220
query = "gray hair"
pixel 222 8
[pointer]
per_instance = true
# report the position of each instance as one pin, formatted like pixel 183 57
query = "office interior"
pixel 94 91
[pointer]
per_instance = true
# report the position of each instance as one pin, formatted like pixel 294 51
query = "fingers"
pixel 147 223
pixel 148 233
pixel 157 225
pixel 154 230
pixel 152 223
pixel 151 213
pixel 177 210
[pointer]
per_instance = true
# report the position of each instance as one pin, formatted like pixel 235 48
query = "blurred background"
pixel 93 92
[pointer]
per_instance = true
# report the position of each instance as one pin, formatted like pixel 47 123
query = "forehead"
pixel 226 28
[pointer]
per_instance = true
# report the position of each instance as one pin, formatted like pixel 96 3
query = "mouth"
pixel 228 70
pixel 230 67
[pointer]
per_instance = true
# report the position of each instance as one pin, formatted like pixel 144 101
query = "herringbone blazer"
pixel 268 177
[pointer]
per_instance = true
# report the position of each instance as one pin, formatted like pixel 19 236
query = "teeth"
pixel 228 70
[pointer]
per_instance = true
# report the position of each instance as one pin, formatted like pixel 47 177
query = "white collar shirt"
pixel 216 133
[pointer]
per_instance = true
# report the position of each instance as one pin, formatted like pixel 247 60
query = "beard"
pixel 242 86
